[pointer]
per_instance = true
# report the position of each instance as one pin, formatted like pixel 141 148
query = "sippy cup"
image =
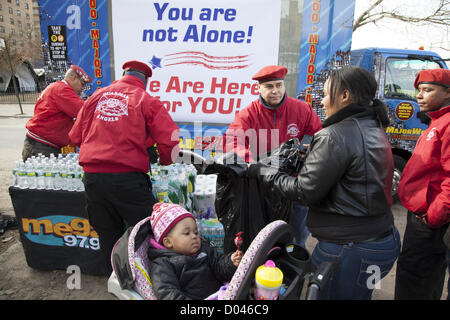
pixel 268 279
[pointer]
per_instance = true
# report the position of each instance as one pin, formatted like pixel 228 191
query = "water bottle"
pixel 219 235
pixel 40 177
pixel 181 178
pixel 15 173
pixel 22 182
pixel 49 176
pixel 79 186
pixel 31 174
pixel 212 230
pixel 191 173
pixel 163 192
pixel 63 173
pixel 70 177
pixel 174 190
pixel 155 186
pixel 154 169
pixel 57 180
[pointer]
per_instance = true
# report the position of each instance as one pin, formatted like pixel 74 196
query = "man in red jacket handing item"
pixel 57 106
pixel 424 190
pixel 269 121
pixel 114 129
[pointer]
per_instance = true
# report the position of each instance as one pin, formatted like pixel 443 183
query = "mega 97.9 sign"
pixel 60 230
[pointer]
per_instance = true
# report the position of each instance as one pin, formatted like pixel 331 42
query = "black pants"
pixel 33 148
pixel 422 262
pixel 116 201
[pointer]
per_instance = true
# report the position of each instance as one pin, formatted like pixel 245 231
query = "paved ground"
pixel 18 281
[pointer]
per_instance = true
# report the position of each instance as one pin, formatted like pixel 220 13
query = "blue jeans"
pixel 298 224
pixel 363 265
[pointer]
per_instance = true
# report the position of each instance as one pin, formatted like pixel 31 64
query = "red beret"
pixel 433 76
pixel 81 73
pixel 139 66
pixel 269 73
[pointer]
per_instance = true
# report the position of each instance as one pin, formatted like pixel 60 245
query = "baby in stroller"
pixel 134 278
pixel 182 266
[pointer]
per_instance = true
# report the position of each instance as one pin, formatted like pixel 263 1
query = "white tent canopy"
pixel 23 74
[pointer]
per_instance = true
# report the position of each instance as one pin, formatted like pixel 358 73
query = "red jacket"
pixel 116 126
pixel 294 118
pixel 425 183
pixel 54 113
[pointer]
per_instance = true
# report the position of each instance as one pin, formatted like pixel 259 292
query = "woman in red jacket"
pixel 424 190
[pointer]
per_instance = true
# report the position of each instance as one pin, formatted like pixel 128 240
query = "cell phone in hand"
pixel 306 141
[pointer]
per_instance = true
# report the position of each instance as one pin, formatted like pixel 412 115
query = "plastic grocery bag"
pixel 286 158
pixel 245 204
pixel 231 190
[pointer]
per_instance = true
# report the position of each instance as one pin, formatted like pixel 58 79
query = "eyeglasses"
pixel 83 83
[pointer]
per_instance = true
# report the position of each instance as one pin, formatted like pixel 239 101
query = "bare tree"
pixel 15 55
pixel 31 51
pixel 439 16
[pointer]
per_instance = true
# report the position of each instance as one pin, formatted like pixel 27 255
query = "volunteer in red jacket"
pixel 424 190
pixel 54 113
pixel 267 122
pixel 114 129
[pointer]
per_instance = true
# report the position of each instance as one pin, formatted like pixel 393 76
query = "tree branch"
pixel 375 13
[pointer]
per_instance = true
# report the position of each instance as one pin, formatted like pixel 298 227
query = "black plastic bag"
pixel 244 203
pixel 231 191
pixel 286 158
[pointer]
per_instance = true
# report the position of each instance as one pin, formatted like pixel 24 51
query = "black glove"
pixel 261 171
pixel 280 182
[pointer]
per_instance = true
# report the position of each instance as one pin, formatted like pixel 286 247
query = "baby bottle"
pixel 268 279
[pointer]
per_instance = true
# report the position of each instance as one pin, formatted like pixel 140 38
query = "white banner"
pixel 203 53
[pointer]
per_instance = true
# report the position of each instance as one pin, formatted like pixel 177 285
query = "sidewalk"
pixel 12 110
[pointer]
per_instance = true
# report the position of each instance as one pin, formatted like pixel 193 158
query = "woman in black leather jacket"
pixel 346 181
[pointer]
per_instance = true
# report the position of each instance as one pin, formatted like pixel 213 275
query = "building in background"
pixel 290 37
pixel 19 26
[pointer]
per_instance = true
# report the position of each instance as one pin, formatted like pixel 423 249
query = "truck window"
pixel 400 76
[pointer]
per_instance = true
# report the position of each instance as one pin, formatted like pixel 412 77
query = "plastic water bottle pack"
pixel 213 231
pixel 174 184
pixel 49 173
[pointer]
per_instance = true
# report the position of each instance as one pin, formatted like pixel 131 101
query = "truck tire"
pixel 399 165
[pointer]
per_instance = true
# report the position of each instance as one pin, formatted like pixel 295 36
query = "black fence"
pixel 28 95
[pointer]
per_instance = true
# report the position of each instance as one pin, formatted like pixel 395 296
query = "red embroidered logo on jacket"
pixel 431 134
pixel 111 106
pixel 292 130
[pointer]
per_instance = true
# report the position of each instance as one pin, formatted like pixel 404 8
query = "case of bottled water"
pixel 49 173
pixel 174 184
pixel 212 230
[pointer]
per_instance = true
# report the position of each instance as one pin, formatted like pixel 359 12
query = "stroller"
pixel 130 277
pixel 270 241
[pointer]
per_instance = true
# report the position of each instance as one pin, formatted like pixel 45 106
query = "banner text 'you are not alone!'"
pixel 195 33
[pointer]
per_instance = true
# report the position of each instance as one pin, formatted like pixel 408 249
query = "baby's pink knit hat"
pixel 164 217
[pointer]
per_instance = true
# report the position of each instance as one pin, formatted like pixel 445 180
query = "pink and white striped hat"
pixel 165 216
